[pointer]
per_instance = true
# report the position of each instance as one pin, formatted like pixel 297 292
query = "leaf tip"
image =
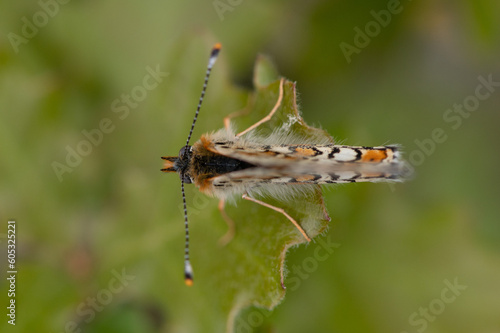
pixel 264 71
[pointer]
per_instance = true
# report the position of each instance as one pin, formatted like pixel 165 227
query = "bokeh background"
pixel 115 212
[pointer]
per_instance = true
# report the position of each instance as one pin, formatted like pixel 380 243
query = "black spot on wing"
pixel 353 178
pixel 317 152
pixel 358 154
pixel 334 151
pixel 334 176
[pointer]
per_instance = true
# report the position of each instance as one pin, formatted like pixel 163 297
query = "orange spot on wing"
pixel 374 155
pixel 271 153
pixel 304 178
pixel 305 151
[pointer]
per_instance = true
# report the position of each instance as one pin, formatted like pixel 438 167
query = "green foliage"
pixel 116 210
pixel 253 263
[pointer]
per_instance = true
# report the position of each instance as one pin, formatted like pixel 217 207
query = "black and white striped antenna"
pixel 211 62
pixel 188 270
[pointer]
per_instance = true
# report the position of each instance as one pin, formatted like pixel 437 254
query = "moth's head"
pixel 179 164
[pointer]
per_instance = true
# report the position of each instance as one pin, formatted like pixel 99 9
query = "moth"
pixel 226 164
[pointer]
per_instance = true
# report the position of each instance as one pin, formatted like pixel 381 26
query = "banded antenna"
pixel 211 61
pixel 188 270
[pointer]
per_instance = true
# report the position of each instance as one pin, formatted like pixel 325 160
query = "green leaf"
pixel 251 268
pixel 264 72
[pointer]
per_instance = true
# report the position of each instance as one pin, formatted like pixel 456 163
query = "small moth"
pixel 226 164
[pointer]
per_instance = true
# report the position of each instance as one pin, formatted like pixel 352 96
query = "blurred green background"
pixel 115 212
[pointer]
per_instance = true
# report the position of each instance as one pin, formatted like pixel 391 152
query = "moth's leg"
pixel 279 210
pixel 268 117
pixel 229 235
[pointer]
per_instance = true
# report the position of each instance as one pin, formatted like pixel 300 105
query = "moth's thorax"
pixel 205 164
pixel 183 160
